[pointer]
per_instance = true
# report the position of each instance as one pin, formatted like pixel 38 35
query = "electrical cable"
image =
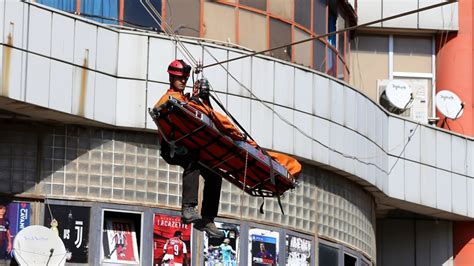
pixel 317 37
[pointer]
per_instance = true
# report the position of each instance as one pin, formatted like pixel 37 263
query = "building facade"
pixel 376 188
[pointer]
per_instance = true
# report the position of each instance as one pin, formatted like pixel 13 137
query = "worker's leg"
pixel 210 203
pixel 190 190
pixel 211 194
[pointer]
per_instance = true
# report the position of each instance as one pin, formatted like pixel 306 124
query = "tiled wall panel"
pixel 15 24
pixel 284 85
pixel 85 44
pixel 263 78
pixel 39 31
pixel 303 91
pixel 131 93
pixel 217 76
pixel 443 150
pixel 412 182
pixel 132 56
pixel 37 83
pixel 444 190
pixel 105 99
pixel 241 71
pixel 62 42
pixel 162 52
pixel 302 135
pixel 108 53
pixel 282 131
pixel 83 92
pixel 60 92
pixel 459 195
pixel 261 123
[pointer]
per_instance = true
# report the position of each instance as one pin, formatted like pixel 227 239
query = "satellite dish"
pixel 397 97
pixel 449 104
pixel 38 245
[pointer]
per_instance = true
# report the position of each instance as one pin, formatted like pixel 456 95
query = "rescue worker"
pixel 179 72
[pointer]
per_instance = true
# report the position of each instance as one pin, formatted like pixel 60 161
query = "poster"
pixel 14 216
pixel 171 241
pixel 120 241
pixel 223 251
pixel 263 247
pixel 72 225
pixel 298 251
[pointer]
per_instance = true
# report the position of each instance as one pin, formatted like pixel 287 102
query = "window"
pixel 65 5
pixel 349 260
pixel 135 14
pixel 103 11
pixel 183 16
pixel 281 8
pixel 302 50
pixel 219 22
pixel 303 13
pixel 280 34
pixel 252 24
pixel 258 4
pixel 332 62
pixel 319 17
pixel 328 256
pixel 319 56
pixel 332 27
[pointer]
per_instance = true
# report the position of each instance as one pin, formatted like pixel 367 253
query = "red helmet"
pixel 179 68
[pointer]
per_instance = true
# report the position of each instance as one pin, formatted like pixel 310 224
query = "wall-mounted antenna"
pixel 449 105
pixel 397 97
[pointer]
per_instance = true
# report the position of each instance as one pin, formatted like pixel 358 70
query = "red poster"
pixel 172 241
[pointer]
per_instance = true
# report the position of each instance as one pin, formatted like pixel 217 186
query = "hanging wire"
pixel 318 37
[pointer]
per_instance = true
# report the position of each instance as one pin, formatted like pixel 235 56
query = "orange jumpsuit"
pixel 225 126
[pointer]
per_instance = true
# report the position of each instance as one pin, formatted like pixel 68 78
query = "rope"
pixel 243 185
pixel 318 37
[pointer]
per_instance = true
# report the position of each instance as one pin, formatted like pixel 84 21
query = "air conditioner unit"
pixel 418 110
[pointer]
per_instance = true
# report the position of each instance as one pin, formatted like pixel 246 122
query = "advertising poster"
pixel 14 216
pixel 263 247
pixel 223 251
pixel 72 226
pixel 171 241
pixel 120 241
pixel 298 251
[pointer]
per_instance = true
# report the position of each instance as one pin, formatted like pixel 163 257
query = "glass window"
pixel 303 13
pixel 332 63
pixel 302 50
pixel 134 14
pixel 349 260
pixel 103 11
pixel 219 22
pixel 259 4
pixel 281 8
pixel 252 24
pixel 328 256
pixel 407 50
pixel 280 34
pixel 332 27
pixel 183 16
pixel 319 17
pixel 319 56
pixel 340 69
pixel 65 5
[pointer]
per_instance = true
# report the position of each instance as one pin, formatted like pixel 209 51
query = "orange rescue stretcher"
pixel 179 124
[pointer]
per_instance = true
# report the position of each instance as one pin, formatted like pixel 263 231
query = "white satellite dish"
pixel 38 245
pixel 449 104
pixel 397 97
